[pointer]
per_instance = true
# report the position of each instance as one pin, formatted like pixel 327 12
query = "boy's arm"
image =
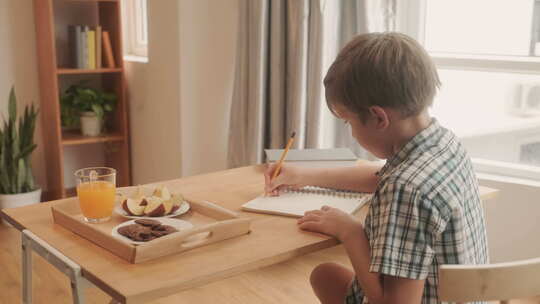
pixel 359 178
pixel 400 251
pixel 379 289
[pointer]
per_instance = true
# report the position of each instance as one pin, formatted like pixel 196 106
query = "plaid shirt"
pixel 425 212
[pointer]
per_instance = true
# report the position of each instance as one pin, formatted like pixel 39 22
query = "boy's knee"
pixel 322 273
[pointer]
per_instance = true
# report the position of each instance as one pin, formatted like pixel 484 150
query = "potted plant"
pixel 87 107
pixel 17 187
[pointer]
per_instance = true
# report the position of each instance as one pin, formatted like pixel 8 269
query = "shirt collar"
pixel 418 143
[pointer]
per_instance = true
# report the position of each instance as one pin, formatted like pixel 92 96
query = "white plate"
pixel 176 223
pixel 184 207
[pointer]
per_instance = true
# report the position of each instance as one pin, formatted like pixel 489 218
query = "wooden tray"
pixel 211 222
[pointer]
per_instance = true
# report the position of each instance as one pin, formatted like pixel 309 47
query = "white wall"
pixel 208 32
pixel 179 100
pixel 154 93
pixel 19 66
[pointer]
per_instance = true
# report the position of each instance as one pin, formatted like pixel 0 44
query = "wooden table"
pixel 273 239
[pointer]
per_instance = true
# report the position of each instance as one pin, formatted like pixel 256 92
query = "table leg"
pixel 77 290
pixel 30 243
pixel 26 269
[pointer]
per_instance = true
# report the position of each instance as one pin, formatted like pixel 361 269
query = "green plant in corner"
pixel 16 147
pixel 78 99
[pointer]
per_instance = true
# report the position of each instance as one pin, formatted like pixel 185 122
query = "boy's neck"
pixel 405 129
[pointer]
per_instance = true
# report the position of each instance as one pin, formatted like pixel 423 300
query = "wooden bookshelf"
pixel 51 17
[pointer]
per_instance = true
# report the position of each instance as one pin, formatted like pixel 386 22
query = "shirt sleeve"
pixel 355 295
pixel 404 228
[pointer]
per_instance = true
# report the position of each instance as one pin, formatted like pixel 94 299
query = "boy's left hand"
pixel 331 221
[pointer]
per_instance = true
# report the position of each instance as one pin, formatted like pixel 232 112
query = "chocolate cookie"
pixel 168 229
pixel 129 230
pixel 163 230
pixel 144 235
pixel 148 223
pixel 145 230
pixel 158 233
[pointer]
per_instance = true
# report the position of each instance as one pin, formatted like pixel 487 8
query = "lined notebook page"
pixel 296 202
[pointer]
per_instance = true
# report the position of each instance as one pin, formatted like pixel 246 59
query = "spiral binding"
pixel 327 191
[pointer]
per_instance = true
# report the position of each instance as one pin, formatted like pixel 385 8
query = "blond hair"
pixel 382 69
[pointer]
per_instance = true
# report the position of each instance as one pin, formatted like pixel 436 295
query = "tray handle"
pixel 214 232
pixel 207 234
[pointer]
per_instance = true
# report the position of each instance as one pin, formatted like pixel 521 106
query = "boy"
pixel 425 209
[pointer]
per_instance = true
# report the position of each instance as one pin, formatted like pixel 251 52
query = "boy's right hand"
pixel 289 177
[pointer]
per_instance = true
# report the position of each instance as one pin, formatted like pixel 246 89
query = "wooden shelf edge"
pixel 67 71
pixel 72 139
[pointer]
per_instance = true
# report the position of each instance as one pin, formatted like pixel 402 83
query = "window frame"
pixel 133 27
pixel 411 21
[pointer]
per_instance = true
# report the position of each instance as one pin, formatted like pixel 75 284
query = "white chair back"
pixel 501 281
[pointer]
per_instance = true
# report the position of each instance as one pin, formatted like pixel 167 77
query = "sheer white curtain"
pixel 284 49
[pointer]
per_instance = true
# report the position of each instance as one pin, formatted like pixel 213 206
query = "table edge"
pixel 174 288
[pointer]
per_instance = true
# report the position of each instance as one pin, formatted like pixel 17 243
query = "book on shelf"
pixel 98 47
pixel 84 40
pixel 74 32
pixel 90 47
pixel 107 50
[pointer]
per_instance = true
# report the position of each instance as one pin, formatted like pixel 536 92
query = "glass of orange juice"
pixel 96 188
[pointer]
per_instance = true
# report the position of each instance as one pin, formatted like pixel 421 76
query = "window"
pixel 488 56
pixel 479 27
pixel 135 27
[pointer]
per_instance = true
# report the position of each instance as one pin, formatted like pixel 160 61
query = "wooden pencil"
pixel 282 158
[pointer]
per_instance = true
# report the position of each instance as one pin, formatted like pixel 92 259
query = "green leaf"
pixel 21 176
pixel 25 152
pixel 98 109
pixel 29 183
pixel 90 94
pixel 12 107
pixel 15 148
pixel 5 182
pixel 22 128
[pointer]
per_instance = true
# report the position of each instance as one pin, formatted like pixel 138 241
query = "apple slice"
pixel 143 202
pixel 168 206
pixel 121 198
pixel 139 193
pixel 162 192
pixel 132 207
pixel 155 207
pixel 177 199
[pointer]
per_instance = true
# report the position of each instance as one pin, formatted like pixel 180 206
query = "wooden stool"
pixel 500 282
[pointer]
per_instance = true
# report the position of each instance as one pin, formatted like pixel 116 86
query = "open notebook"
pixel 297 202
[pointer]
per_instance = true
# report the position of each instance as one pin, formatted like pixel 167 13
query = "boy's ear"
pixel 380 116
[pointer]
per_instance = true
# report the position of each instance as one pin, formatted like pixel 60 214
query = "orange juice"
pixel 96 199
